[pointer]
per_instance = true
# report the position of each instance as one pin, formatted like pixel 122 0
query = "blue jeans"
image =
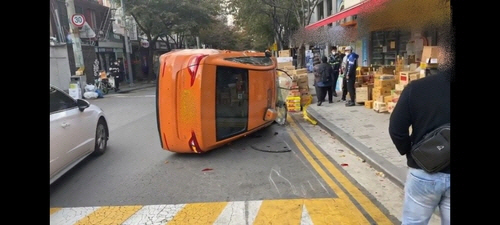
pixel 423 193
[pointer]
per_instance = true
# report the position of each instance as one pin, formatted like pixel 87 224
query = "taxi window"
pixel 253 60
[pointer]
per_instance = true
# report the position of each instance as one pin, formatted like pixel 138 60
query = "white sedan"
pixel 77 130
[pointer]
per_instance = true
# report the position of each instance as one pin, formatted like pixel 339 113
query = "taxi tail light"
pixel 193 144
pixel 194 62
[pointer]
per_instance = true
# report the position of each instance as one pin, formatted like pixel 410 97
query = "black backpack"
pixel 432 153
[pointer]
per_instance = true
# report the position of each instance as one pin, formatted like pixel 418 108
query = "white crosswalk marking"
pixel 306 219
pixel 69 216
pixel 154 215
pixel 235 213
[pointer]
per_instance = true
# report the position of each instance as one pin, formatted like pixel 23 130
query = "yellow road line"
pixel 198 214
pixel 330 211
pixel 366 203
pixel 54 210
pixel 109 215
pixel 277 212
pixel 356 216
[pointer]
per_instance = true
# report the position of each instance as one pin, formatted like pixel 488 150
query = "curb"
pixel 137 87
pixel 395 174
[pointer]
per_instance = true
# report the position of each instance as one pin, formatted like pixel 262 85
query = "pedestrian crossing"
pixel 321 211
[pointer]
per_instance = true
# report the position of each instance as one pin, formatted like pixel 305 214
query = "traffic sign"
pixel 78 20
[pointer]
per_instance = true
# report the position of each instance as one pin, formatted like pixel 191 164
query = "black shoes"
pixel 319 103
pixel 349 103
pixel 330 101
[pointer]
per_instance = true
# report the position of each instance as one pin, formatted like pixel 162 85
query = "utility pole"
pixel 127 48
pixel 75 37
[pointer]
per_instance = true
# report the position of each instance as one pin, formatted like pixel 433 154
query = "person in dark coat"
pixel 323 77
pixel 335 61
pixel 424 105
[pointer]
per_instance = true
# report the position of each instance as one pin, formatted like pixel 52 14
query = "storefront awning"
pixel 353 10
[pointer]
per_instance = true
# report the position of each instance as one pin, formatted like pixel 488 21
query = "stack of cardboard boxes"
pixel 300 86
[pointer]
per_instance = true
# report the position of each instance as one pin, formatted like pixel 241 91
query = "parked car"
pixel 77 130
pixel 207 98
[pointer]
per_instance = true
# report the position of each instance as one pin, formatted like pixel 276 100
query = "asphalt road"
pixel 135 170
pixel 314 179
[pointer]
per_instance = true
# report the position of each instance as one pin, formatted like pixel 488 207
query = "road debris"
pixel 380 174
pixel 344 164
pixel 207 169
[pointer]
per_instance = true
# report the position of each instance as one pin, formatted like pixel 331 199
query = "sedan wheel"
pixel 101 138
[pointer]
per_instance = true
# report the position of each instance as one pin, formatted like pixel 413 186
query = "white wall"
pixel 59 67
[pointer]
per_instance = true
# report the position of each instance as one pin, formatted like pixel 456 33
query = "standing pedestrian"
pixel 351 63
pixel 335 61
pixel 424 105
pixel 323 77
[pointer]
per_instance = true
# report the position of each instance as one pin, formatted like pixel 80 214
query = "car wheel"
pixel 101 138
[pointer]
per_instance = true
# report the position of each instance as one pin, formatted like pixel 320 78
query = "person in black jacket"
pixel 323 77
pixel 335 61
pixel 424 105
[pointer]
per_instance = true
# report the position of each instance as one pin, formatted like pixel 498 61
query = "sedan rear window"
pixel 253 60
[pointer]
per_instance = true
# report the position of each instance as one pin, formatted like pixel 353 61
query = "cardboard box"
pixel 386 70
pixel 288 67
pixel 301 71
pixel 384 83
pixel 369 104
pixel 387 99
pixel 400 87
pixel 430 52
pixel 404 76
pixel 363 94
pixel 283 64
pixel 284 53
pixel 414 77
pixel 305 99
pixel 304 90
pixel 379 106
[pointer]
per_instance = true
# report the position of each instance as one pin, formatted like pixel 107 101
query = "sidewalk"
pixel 125 87
pixel 362 130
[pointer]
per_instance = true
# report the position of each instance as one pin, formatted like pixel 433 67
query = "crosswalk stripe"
pixel 234 213
pixel 277 212
pixel 329 211
pixel 306 218
pixel 109 215
pixel 54 210
pixel 69 216
pixel 198 213
pixel 154 215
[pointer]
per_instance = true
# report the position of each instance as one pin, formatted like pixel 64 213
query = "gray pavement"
pixel 364 131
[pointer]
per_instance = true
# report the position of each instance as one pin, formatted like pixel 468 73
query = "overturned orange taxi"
pixel 207 98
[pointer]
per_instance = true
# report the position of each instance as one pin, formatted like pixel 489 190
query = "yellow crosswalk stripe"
pixel 54 210
pixel 109 215
pixel 330 211
pixel 198 214
pixel 367 204
pixel 277 212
